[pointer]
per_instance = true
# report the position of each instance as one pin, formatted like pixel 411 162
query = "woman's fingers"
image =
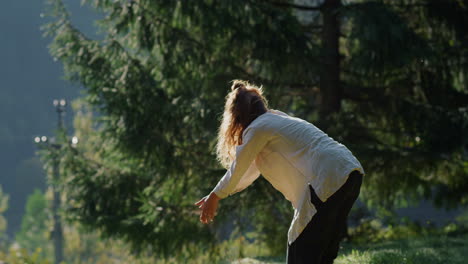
pixel 207 210
pixel 203 216
pixel 201 201
pixel 206 219
pixel 206 216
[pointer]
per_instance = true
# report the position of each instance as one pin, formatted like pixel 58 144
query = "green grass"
pixel 430 249
pixel 427 250
pixel 434 250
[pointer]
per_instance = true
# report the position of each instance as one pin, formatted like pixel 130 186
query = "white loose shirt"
pixel 290 153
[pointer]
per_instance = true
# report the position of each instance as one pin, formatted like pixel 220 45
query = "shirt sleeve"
pixel 243 170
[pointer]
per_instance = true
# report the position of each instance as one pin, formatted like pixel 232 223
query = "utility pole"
pixel 57 232
pixel 53 146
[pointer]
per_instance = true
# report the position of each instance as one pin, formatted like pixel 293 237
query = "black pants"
pixel 319 242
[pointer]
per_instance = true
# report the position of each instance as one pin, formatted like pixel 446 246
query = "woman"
pixel 320 176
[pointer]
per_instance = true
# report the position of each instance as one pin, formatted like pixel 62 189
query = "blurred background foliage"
pixel 29 80
pixel 386 78
pixel 35 225
pixel 3 223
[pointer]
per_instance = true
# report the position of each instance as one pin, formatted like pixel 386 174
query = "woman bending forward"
pixel 319 176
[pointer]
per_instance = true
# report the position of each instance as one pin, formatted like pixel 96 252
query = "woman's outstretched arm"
pixel 254 140
pixel 241 173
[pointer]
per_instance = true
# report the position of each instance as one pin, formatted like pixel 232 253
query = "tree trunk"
pixel 330 89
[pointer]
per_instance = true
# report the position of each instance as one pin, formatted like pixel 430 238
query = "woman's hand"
pixel 208 206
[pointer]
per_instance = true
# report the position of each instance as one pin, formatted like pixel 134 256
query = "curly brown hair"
pixel 244 103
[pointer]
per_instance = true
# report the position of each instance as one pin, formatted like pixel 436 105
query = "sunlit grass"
pixel 433 249
pixel 428 250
